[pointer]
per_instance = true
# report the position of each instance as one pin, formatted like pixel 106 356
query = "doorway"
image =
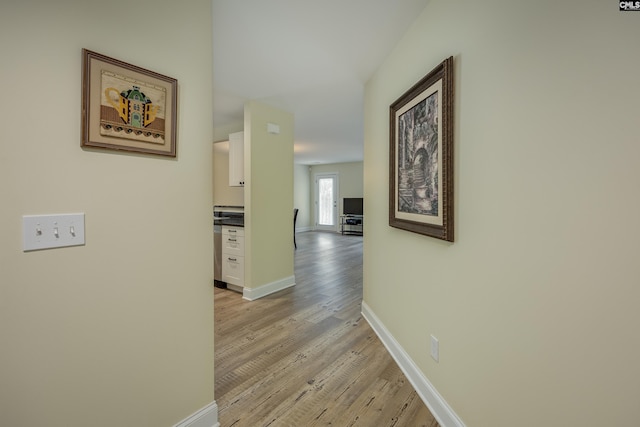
pixel 326 201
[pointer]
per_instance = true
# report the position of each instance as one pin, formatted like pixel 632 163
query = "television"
pixel 352 206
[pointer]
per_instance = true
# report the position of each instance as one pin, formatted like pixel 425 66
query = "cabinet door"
pixel 233 269
pixel 236 159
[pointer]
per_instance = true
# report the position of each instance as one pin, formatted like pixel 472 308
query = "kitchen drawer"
pixel 233 269
pixel 232 231
pixel 232 245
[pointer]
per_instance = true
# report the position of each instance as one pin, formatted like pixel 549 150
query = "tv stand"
pixel 351 224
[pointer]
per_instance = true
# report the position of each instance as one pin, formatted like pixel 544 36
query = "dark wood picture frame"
pixel 126 107
pixel 421 156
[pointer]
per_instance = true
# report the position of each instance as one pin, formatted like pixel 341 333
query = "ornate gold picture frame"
pixel 127 108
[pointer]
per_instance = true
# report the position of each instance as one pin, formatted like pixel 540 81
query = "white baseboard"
pixel 264 290
pixel 427 392
pixel 205 417
pixel 235 288
pixel 303 229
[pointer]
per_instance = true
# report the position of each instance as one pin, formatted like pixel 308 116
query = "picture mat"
pixel 96 66
pixel 428 219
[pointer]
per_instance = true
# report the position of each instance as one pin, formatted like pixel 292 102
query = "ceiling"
pixel 310 58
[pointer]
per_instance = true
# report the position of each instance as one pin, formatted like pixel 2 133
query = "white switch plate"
pixel 52 231
pixel 273 128
pixel 435 348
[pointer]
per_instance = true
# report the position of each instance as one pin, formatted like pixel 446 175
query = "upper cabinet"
pixel 236 159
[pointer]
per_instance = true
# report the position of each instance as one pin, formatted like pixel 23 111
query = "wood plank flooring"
pixel 305 356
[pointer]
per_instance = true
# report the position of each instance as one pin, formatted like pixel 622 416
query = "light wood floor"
pixel 305 356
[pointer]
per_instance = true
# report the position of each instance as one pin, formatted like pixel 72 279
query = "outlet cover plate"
pixel 435 349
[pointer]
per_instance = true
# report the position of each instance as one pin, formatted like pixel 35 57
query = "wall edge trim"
pixel 440 409
pixel 252 294
pixel 204 417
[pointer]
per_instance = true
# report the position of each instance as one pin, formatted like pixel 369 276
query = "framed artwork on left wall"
pixel 126 107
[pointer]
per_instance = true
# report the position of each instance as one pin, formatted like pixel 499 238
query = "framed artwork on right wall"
pixel 421 156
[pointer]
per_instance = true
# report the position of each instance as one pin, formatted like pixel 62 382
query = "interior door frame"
pixel 336 201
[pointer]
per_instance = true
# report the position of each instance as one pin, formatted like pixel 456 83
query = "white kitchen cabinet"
pixel 233 255
pixel 236 159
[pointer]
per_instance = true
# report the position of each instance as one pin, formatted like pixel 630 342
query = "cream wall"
pixel 221 133
pixel 302 196
pixel 268 167
pixel 535 305
pixel 119 331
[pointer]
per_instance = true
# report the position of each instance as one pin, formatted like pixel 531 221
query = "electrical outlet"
pixel 435 349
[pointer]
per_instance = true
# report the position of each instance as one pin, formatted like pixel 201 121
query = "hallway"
pixel 305 356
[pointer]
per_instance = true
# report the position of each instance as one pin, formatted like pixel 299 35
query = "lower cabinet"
pixel 233 255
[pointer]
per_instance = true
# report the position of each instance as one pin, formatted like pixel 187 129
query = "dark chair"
pixel 295 216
